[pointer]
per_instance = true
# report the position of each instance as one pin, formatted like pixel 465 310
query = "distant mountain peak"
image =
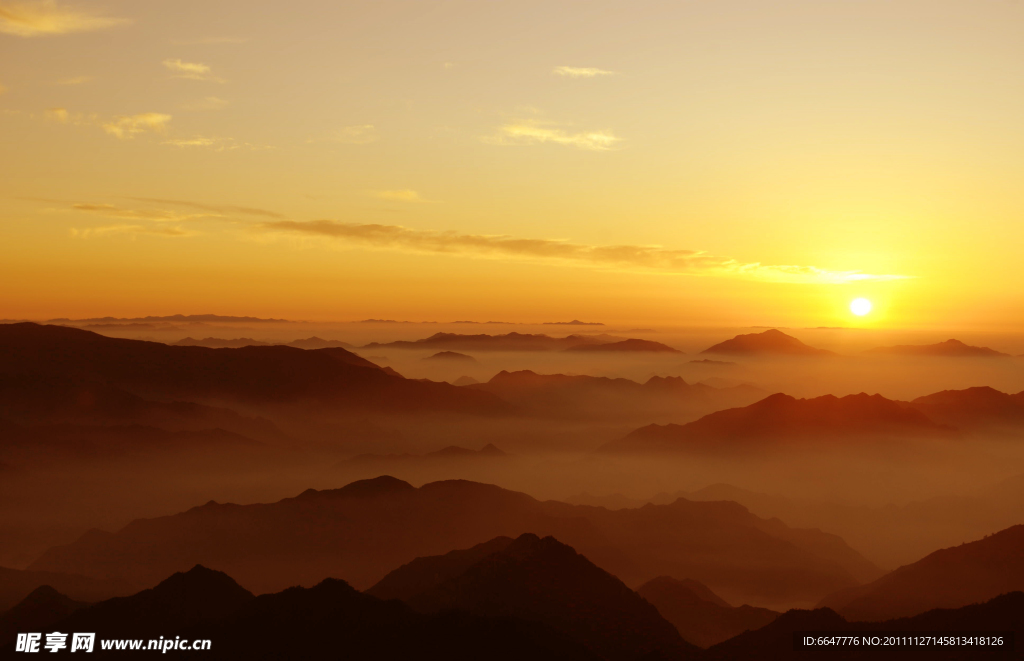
pixel 369 488
pixel 772 341
pixel 948 348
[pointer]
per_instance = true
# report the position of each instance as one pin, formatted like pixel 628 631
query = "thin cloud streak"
pixel 45 17
pixel 219 209
pixel 526 133
pixel 127 127
pixel 627 257
pixel 133 230
pixel 191 70
pixel 581 72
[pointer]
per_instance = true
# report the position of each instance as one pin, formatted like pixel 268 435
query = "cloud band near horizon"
pixel 629 257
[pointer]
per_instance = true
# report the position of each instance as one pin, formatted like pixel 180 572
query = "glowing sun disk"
pixel 860 306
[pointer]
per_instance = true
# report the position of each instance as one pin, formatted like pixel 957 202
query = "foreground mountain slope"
pixel 701 617
pixel 39 611
pixel 332 620
pixel 546 581
pixel 422 574
pixel 182 600
pixel 948 578
pixel 774 642
pixel 255 375
pixel 781 417
pixel 17 584
pixel 364 530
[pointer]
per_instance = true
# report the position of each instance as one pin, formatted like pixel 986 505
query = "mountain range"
pixel 562 395
pixel 950 348
pixel 948 578
pixel 701 617
pixel 507 598
pixel 546 581
pixel 220 343
pixel 366 528
pixel 254 376
pixel 781 418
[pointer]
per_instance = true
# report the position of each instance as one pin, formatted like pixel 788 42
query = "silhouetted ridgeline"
pixel 781 417
pixel 265 376
pixel 513 599
pixel 365 529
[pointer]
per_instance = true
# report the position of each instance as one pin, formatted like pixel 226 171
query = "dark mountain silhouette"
pixel 365 529
pixel 332 620
pixel 973 408
pixel 42 608
pixel 506 342
pixel 948 578
pixel 178 602
pixel 257 376
pixel 574 322
pixel 701 617
pixel 771 341
pixel 781 417
pixel 29 399
pixel 562 395
pixel 315 342
pixel 451 356
pixel 774 642
pixel 952 348
pixel 627 345
pixel 193 318
pixel 221 343
pixel 464 381
pixel 547 581
pixel 17 584
pixel 423 574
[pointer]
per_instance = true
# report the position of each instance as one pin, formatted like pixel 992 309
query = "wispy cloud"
pixel 126 127
pixel 529 132
pixel 59 115
pixel 209 41
pixel 77 80
pixel 191 70
pixel 399 195
pixel 581 72
pixel 34 18
pixel 361 134
pixel 215 144
pixel 154 215
pixel 217 209
pixel 209 103
pixel 134 230
pixel 627 257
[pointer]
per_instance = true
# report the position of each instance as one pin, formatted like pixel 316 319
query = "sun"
pixel 860 306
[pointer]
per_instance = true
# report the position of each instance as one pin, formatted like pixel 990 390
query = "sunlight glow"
pixel 860 306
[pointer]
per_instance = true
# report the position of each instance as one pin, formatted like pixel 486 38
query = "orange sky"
pixel 727 161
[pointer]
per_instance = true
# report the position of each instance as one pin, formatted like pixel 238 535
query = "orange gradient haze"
pixel 699 162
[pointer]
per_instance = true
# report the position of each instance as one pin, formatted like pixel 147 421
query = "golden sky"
pixel 704 162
